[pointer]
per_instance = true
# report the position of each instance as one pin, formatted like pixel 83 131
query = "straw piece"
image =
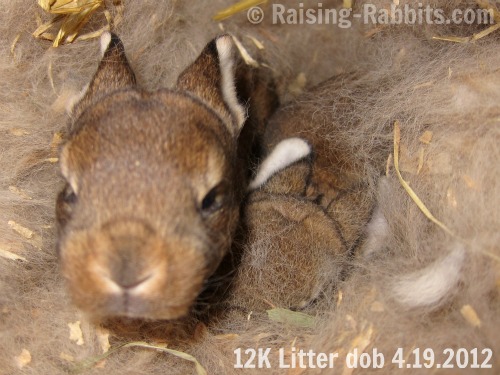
pixel 495 13
pixel 57 140
pixel 72 25
pixel 249 60
pixel 470 315
pixel 18 132
pixel 340 298
pixel 420 160
pixel 40 32
pixel 454 39
pixel 291 317
pixel 296 87
pixel 347 4
pixel 68 6
pixel 25 232
pixel 23 359
pixel 14 43
pixel 11 256
pixel 409 190
pixel 91 362
pixel 388 165
pixel 67 357
pixel 188 357
pixel 486 32
pixel 360 343
pixel 19 192
pixel 416 199
pixel 95 34
pixel 257 42
pixel 363 339
pixel 236 8
pixel 103 339
pixel 74 14
pixel 75 333
pixel 51 78
pixel 426 138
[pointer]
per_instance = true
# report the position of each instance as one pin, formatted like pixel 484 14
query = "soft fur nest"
pixel 452 90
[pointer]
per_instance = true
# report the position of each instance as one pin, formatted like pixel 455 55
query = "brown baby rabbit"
pixel 154 185
pixel 309 207
pixel 293 250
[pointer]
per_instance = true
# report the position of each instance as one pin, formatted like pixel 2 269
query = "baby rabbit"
pixel 154 184
pixel 308 208
pixel 293 250
pixel 340 181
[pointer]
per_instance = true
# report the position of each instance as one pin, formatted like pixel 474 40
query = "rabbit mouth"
pixel 137 302
pixel 147 297
pixel 130 271
pixel 133 306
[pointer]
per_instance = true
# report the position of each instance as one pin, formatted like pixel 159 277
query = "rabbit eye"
pixel 69 195
pixel 64 207
pixel 212 201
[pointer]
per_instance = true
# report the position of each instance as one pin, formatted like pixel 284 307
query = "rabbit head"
pixel 151 203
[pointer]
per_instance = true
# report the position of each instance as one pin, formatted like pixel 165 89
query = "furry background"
pixel 387 302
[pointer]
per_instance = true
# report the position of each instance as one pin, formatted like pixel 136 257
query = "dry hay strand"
pixel 494 14
pixel 70 18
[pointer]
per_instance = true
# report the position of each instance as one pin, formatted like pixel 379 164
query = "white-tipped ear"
pixel 105 40
pixel 75 99
pixel 113 73
pixel 211 77
pixel 431 285
pixel 284 154
pixel 225 49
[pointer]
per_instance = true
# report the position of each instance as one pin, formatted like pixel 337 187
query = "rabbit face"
pixel 150 207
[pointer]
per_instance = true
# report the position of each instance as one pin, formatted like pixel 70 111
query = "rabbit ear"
pixel 212 79
pixel 286 153
pixel 113 73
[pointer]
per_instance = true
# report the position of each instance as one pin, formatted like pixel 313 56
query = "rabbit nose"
pixel 129 258
pixel 128 265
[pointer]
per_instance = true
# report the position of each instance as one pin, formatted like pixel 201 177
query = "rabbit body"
pixel 307 215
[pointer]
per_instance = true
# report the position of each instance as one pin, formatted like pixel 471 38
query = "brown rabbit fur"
pixel 318 207
pixel 283 223
pixel 154 184
pixel 449 89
